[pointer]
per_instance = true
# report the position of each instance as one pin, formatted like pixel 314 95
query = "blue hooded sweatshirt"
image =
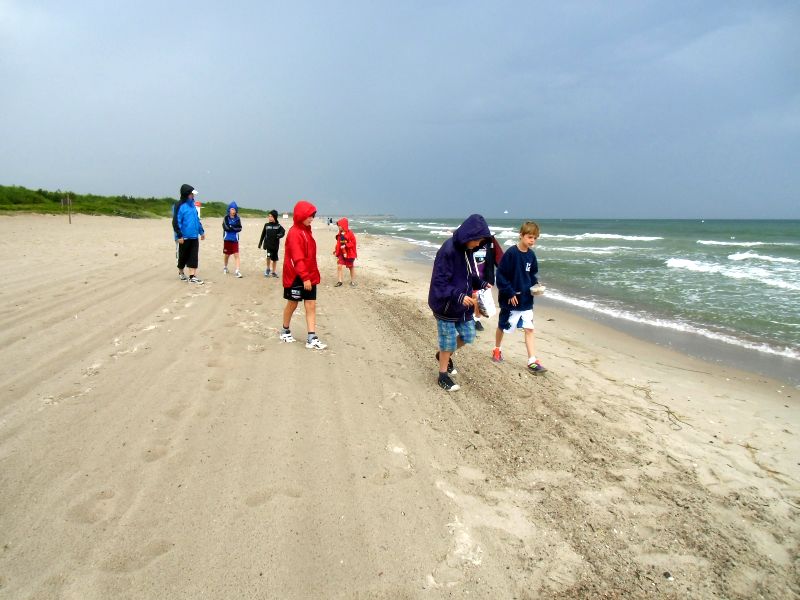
pixel 455 274
pixel 231 225
pixel 186 222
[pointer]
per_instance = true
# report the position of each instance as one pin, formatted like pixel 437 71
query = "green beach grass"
pixel 17 199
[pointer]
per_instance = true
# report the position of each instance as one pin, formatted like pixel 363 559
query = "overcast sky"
pixel 637 109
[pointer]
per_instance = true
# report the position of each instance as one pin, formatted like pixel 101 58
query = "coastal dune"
pixel 157 441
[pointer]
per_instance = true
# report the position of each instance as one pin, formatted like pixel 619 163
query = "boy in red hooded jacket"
pixel 345 251
pixel 300 274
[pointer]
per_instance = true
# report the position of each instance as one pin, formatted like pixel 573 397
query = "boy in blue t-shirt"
pixel 516 275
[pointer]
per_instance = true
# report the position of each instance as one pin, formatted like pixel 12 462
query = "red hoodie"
pixel 300 252
pixel 349 250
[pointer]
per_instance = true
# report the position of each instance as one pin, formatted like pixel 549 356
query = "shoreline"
pixel 157 440
pixel 715 352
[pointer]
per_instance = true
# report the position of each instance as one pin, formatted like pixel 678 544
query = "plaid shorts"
pixel 449 332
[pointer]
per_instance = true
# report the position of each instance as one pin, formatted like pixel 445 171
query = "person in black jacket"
pixel 270 241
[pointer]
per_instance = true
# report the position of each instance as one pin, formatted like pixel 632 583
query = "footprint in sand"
pixel 93 509
pixel 134 561
pixel 394 466
pixel 262 497
pixel 154 453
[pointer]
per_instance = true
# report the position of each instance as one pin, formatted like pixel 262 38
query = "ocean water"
pixel 735 282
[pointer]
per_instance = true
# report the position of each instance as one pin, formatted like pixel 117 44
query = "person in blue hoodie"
pixel 451 295
pixel 231 226
pixel 188 228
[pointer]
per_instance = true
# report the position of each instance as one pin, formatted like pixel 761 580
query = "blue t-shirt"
pixel 515 275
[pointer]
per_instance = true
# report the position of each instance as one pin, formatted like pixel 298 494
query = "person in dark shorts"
pixel 271 241
pixel 188 228
pixel 301 275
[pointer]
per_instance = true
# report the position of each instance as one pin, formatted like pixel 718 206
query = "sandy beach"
pixel 157 441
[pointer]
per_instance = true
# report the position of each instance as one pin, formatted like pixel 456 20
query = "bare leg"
pixel 339 273
pixel 498 337
pixel 444 357
pixel 311 314
pixel 288 311
pixel 236 258
pixel 529 342
pixel 352 274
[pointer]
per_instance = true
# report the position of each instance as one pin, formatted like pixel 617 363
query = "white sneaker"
pixel 225 270
pixel 238 274
pixel 288 338
pixel 316 344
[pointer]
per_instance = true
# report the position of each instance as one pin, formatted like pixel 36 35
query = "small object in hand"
pixel 538 289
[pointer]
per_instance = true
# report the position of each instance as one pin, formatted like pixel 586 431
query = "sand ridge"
pixel 157 441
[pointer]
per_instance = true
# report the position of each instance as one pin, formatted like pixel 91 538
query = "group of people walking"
pixel 457 280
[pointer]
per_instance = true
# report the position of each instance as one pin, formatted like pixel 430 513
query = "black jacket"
pixel 271 236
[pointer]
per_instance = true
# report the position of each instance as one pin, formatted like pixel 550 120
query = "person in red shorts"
pixel 300 274
pixel 345 252
pixel 231 225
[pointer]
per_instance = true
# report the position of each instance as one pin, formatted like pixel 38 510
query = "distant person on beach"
pixel 231 226
pixel 451 295
pixel 188 228
pixel 345 251
pixel 300 274
pixel 516 278
pixel 270 241
pixel 487 257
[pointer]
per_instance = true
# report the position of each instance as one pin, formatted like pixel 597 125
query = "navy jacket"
pixel 231 225
pixel 455 274
pixel 516 273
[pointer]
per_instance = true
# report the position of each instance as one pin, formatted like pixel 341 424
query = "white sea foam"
pixel 744 244
pixel 589 250
pixel 441 233
pixel 753 256
pixel 597 307
pixel 739 272
pixel 601 236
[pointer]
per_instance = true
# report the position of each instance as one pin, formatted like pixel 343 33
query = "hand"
pixel 513 301
pixel 469 301
pixel 180 240
pixel 202 237
pixel 307 285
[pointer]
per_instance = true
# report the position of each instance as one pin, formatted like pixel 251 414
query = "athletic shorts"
pixel 347 262
pixel 272 255
pixel 188 253
pixel 510 319
pixel 229 247
pixel 449 332
pixel 297 292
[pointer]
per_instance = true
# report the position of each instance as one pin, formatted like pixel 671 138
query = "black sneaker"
pixel 448 384
pixel 195 280
pixel 478 326
pixel 451 368
pixel 182 276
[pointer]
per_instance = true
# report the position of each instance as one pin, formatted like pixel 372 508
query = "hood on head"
pixel 233 206
pixel 186 190
pixel 474 227
pixel 343 223
pixel 303 210
pixel 274 214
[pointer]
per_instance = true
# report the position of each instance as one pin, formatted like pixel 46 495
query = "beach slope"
pixel 157 441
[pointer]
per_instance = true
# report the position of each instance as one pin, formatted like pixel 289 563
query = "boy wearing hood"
pixel 271 240
pixel 345 251
pixel 450 297
pixel 300 274
pixel 231 226
pixel 188 228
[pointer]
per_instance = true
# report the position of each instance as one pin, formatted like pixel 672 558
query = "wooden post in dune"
pixel 69 209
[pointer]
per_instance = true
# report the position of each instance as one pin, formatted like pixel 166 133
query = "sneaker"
pixel 316 344
pixel 274 274
pixel 193 279
pixel 497 355
pixel 338 284
pixel 266 273
pixel 536 367
pixel 478 326
pixel 352 284
pixel 238 274
pixel 451 368
pixel 225 270
pixel 287 338
pixel 182 276
pixel 448 384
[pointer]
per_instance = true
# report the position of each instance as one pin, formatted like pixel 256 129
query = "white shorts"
pixel 509 319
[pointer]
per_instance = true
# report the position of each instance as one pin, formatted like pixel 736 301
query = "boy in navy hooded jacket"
pixel 450 297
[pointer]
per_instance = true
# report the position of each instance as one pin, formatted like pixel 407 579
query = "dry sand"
pixel 157 441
